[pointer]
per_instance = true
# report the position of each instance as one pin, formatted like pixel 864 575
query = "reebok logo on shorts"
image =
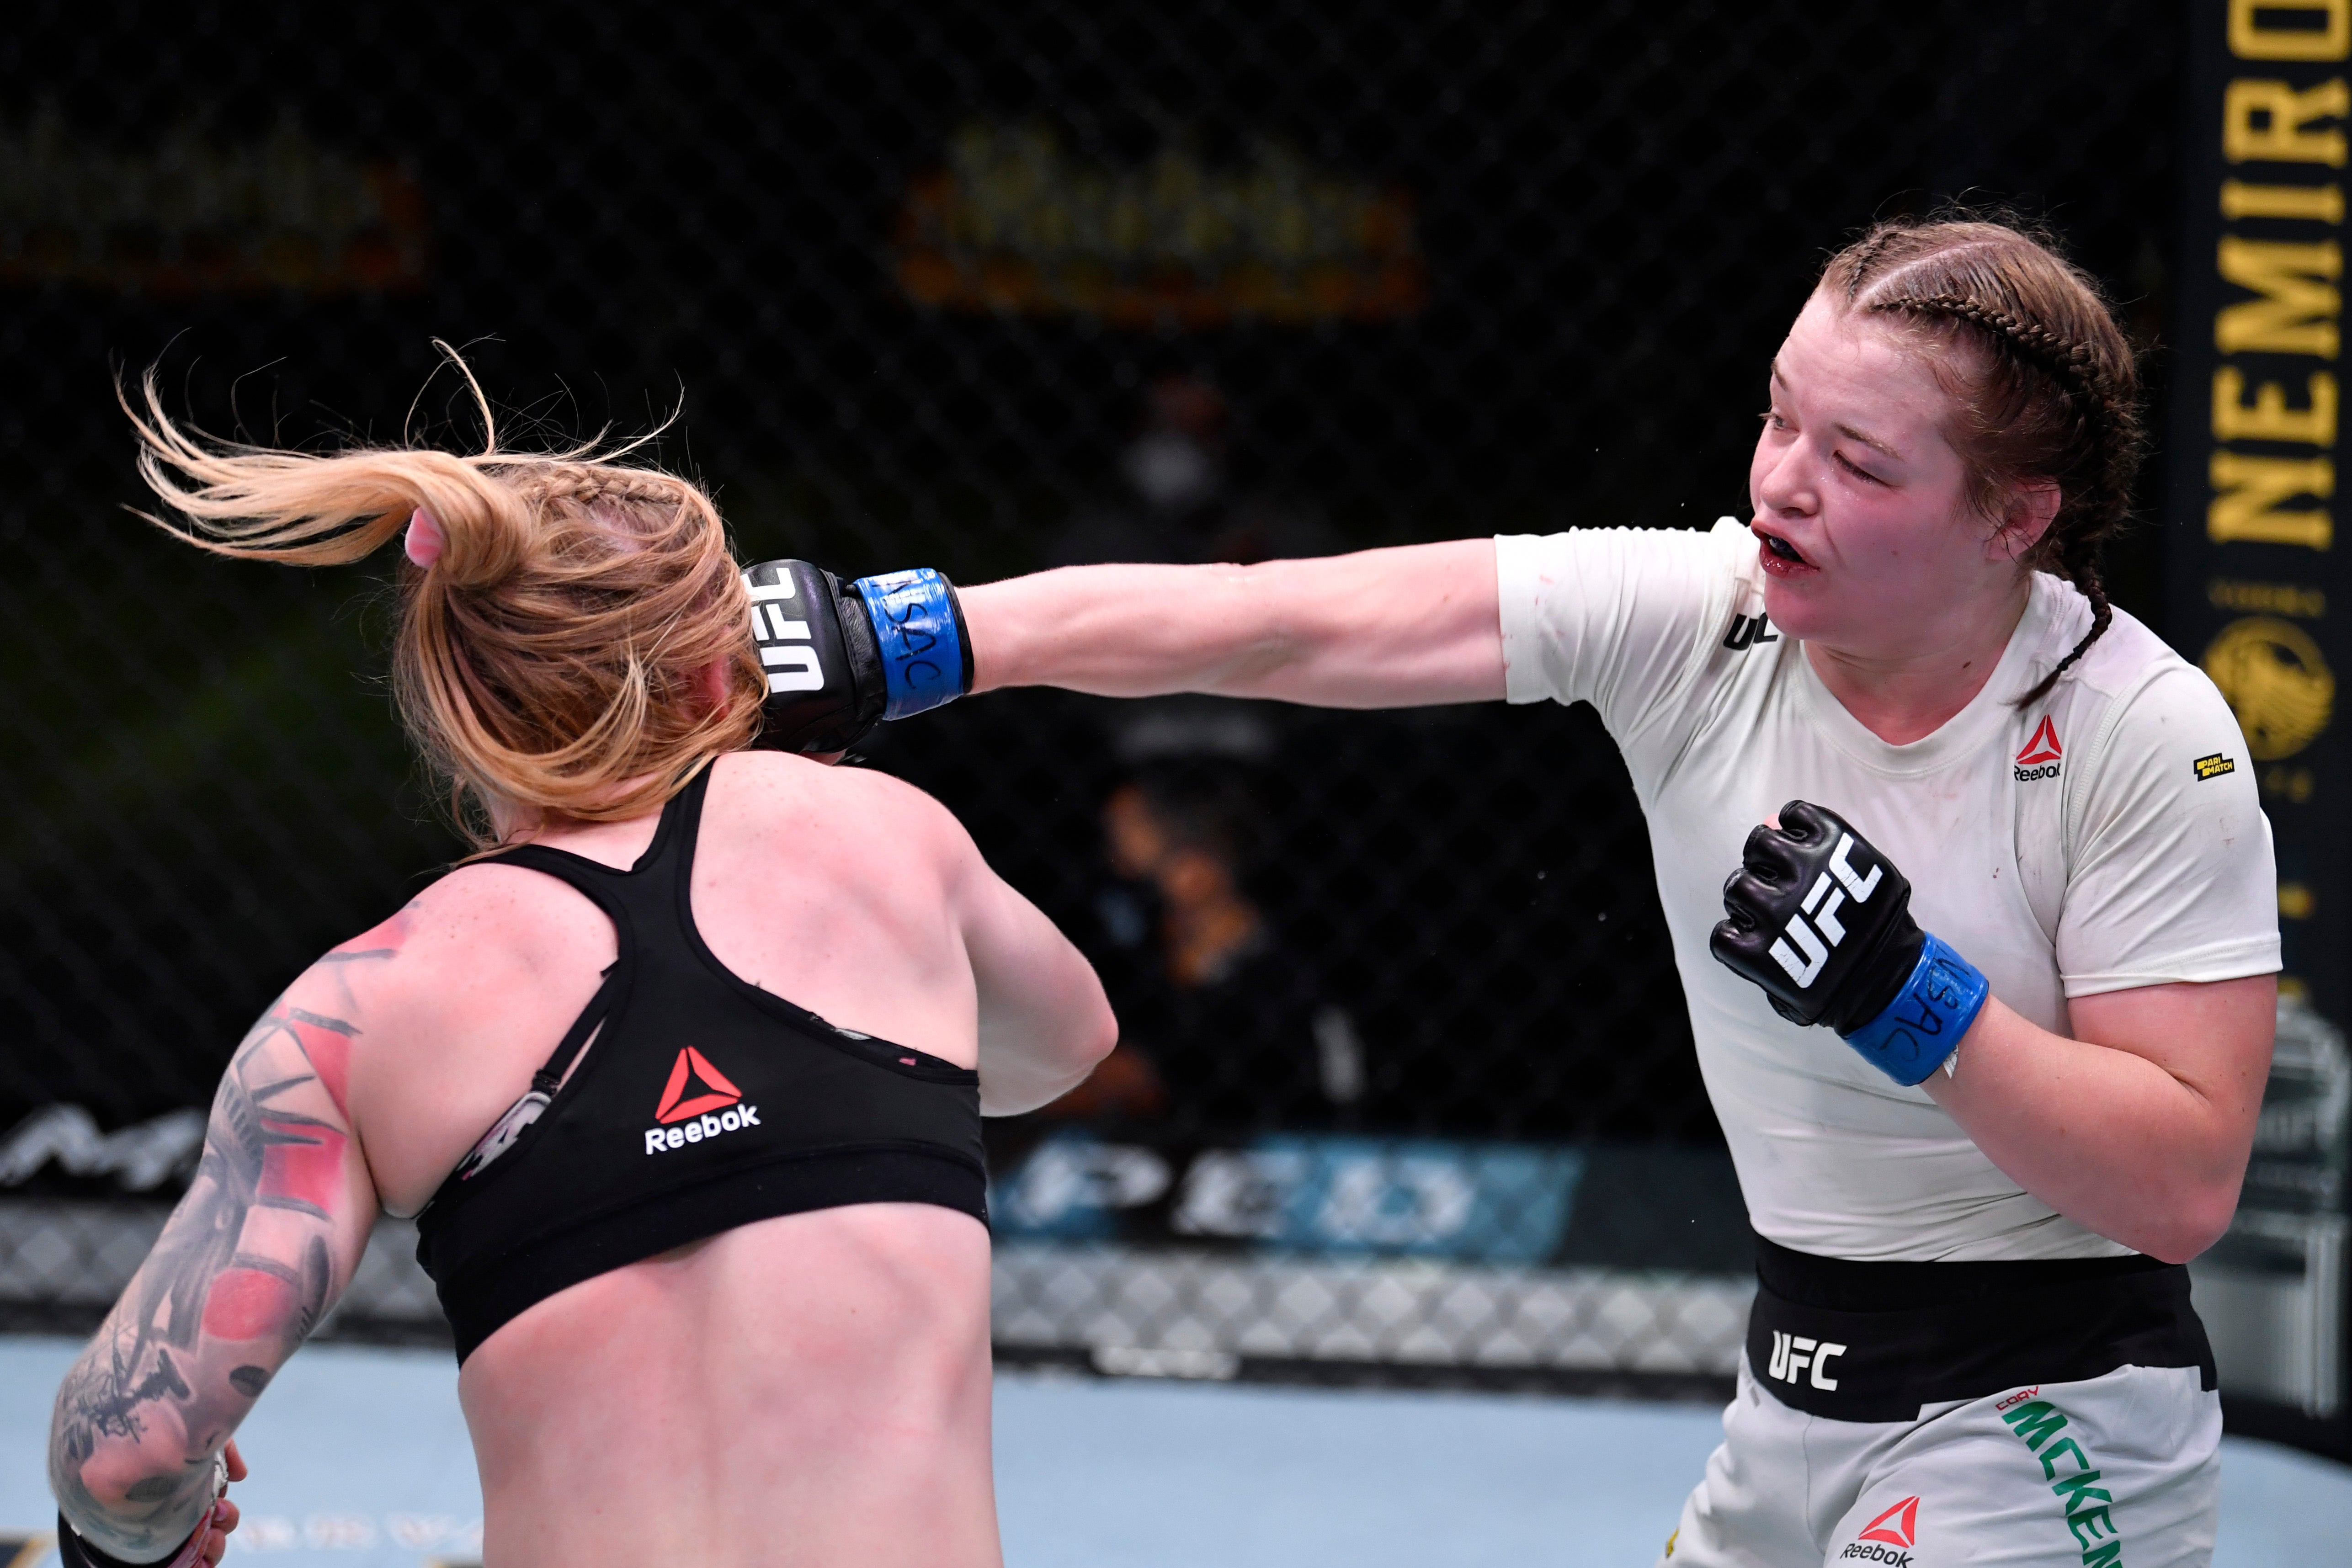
pixel 697 1104
pixel 1888 1538
pixel 2040 757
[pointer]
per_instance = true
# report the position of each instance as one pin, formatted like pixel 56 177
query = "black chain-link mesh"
pixel 984 287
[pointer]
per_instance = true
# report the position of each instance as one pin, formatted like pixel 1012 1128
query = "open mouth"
pixel 1778 551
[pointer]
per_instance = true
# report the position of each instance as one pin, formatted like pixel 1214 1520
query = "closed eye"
pixel 1859 472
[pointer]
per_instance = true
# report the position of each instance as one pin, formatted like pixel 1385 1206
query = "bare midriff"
pixel 811 1389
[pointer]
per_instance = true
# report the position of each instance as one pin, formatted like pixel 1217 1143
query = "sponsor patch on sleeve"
pixel 2213 767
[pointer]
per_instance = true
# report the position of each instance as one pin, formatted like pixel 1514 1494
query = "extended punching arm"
pixel 1822 921
pixel 839 659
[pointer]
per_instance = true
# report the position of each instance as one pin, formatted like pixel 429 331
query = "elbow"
pixel 96 1529
pixel 1089 1041
pixel 66 1484
pixel 1099 1037
pixel 94 1492
pixel 2195 1223
pixel 1057 1061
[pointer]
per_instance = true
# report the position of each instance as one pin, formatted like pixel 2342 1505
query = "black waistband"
pixel 1842 1285
pixel 1873 1341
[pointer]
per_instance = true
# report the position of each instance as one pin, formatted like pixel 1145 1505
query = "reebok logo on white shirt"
pixel 2038 758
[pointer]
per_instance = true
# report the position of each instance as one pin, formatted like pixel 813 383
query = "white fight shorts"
pixel 1864 1434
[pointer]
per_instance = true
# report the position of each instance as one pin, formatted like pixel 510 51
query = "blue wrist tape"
pixel 924 660
pixel 1924 1023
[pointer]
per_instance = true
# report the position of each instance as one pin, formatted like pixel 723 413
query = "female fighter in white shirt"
pixel 1972 1340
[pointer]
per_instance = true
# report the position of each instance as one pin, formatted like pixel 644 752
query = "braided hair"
pixel 2044 378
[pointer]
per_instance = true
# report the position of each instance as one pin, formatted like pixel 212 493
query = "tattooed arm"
pixel 260 1248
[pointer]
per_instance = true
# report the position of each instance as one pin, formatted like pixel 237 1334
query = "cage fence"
pixel 989 287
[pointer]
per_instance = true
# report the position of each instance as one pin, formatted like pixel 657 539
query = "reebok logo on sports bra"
pixel 697 1104
pixel 836 1119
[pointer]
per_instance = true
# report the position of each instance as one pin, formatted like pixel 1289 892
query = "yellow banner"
pixel 2258 407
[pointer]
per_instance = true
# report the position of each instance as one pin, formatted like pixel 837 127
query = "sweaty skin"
pixel 809 1389
pixel 2139 1126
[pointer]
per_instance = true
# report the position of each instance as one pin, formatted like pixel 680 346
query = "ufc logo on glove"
pixel 787 647
pixel 1824 911
pixel 1832 944
pixel 842 657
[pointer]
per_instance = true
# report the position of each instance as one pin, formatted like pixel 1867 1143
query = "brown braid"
pixel 2052 397
pixel 1861 259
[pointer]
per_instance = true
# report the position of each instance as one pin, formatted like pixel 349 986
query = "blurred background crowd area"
pixel 987 287
pixel 992 288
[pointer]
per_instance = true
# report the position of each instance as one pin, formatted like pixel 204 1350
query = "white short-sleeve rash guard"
pixel 2107 837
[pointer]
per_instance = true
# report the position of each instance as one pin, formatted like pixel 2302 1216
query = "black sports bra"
pixel 706 1103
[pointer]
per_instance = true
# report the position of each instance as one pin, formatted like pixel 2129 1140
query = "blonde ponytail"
pixel 550 657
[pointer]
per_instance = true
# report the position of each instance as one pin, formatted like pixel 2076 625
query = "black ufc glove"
pixel 1822 921
pixel 841 660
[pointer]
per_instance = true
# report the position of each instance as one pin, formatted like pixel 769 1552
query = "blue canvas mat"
pixel 360 1461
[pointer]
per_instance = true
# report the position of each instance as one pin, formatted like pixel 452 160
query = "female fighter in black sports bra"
pixel 719 1263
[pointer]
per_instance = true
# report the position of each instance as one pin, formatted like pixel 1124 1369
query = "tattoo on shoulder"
pixel 384 942
pixel 380 946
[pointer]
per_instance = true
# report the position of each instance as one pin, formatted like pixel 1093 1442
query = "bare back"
pixel 829 887
pixel 809 1388
pixel 779 1386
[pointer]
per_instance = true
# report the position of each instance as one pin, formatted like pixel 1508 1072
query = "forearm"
pixel 1390 627
pixel 2104 1136
pixel 251 1260
pixel 1087 628
pixel 131 1462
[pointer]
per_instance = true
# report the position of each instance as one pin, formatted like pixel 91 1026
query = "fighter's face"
pixel 1865 527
